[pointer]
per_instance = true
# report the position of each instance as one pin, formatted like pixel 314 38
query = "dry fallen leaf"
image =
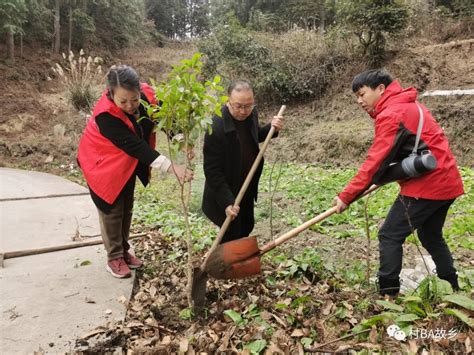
pixel 279 320
pixel 373 335
pixel 96 331
pixel 467 344
pixel 273 349
pixel 369 346
pixel 166 340
pixel 122 299
pixel 326 309
pixel 153 291
pixel 297 333
pixel 108 311
pixel 343 348
pixel 183 345
pixel 413 346
pixel 134 324
pixel 213 335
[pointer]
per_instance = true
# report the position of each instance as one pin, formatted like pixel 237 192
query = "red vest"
pixel 107 168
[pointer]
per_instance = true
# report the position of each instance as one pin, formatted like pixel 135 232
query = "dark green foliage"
pixel 12 16
pixel 118 23
pixel 297 65
pixel 371 22
pixel 83 28
pixel 39 28
pixel 179 18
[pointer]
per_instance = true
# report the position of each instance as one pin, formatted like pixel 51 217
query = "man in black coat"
pixel 229 153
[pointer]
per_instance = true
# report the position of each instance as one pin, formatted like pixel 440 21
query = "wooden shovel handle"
pixel 243 188
pixel 27 252
pixel 295 231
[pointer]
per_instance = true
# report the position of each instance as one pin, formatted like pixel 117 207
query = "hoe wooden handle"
pixel 295 231
pixel 243 189
pixel 27 252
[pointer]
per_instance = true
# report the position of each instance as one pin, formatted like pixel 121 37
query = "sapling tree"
pixel 186 106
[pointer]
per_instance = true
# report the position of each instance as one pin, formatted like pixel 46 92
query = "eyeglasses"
pixel 239 107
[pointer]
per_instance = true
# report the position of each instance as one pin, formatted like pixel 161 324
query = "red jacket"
pixel 396 121
pixel 107 168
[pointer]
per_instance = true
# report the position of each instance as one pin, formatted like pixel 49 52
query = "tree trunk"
pixel 11 46
pixel 70 29
pixel 21 45
pixel 57 26
pixel 322 19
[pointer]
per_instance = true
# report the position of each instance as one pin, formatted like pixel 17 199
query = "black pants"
pixel 425 216
pixel 243 224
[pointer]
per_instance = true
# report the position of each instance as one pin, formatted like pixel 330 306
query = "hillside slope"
pixel 40 130
pixel 336 131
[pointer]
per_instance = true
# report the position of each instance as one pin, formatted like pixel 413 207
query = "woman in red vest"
pixel 115 149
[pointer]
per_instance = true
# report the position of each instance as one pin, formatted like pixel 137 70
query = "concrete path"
pixel 49 300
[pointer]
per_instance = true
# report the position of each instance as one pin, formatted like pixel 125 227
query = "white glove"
pixel 162 163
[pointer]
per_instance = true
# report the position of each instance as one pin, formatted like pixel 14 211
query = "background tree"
pixel 39 26
pixel 57 26
pixel 371 21
pixel 12 18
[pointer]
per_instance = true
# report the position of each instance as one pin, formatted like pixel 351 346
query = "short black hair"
pixel 371 78
pixel 123 76
pixel 239 85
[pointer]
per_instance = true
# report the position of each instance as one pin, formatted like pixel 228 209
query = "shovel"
pixel 241 258
pixel 200 274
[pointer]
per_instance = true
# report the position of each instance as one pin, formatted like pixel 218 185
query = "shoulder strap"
pixel 418 132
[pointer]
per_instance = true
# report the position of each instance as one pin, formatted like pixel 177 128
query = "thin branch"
pixel 413 231
pixel 272 195
pixel 367 232
pixel 315 349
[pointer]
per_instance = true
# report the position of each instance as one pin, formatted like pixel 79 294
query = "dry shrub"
pixel 295 66
pixel 310 60
pixel 81 77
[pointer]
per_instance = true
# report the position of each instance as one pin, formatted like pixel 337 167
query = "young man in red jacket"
pixel 425 199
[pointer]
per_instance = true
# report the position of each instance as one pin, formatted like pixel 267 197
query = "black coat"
pixel 223 164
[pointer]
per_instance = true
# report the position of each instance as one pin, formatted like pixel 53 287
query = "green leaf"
pixel 85 263
pixel 408 317
pixel 186 313
pixel 389 305
pixel 341 312
pixel 280 306
pixel 257 346
pixel 306 342
pixel 411 299
pixel 461 315
pixel 236 317
pixel 460 300
pixel 382 317
pixel 412 307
